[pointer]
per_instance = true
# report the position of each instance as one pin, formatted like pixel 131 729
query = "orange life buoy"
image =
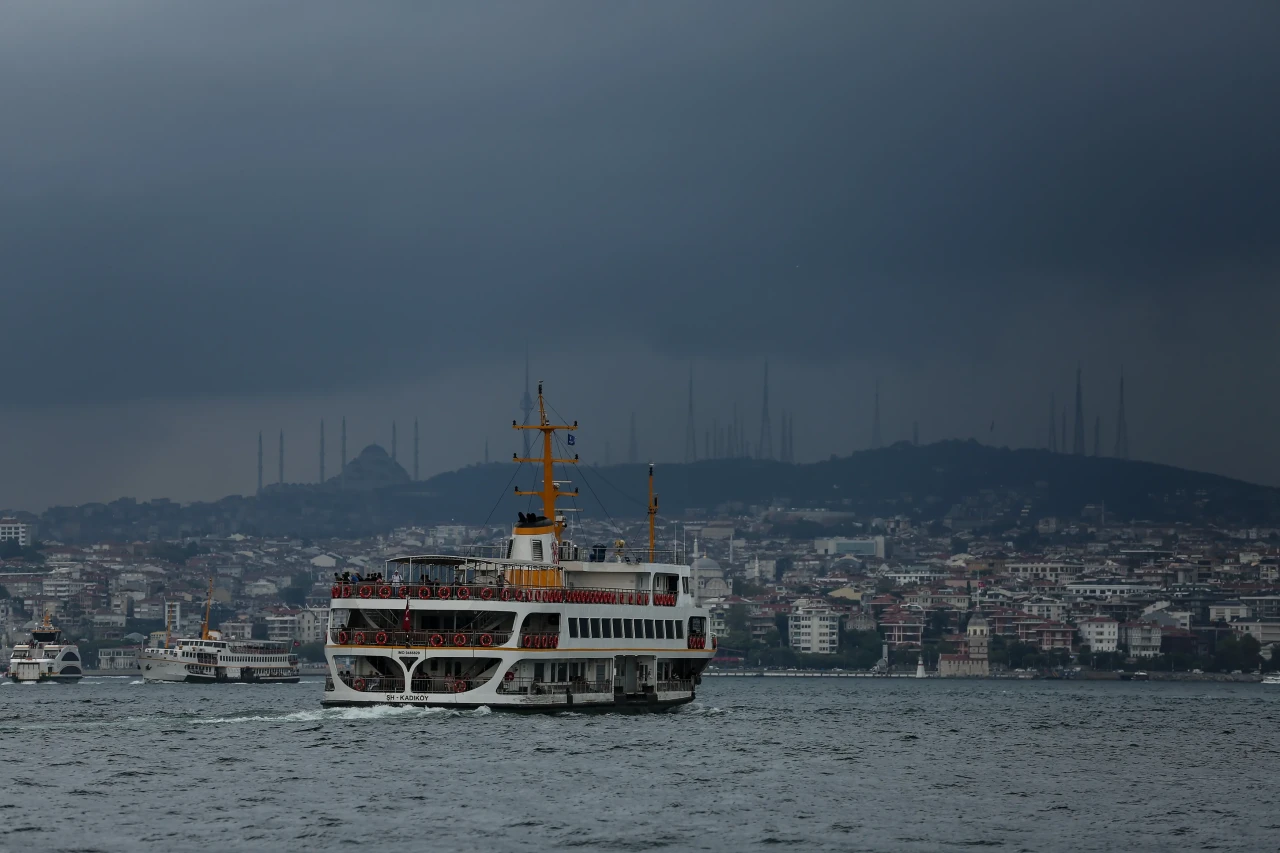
pixel 380 638
pixel 460 686
pixel 522 595
pixel 459 639
pixel 366 591
pixel 359 638
pixel 486 593
pixel 358 685
pixel 486 640
pixel 436 640
pixel 555 641
pixel 405 591
pixel 384 592
pixel 443 592
pixel 506 594
pixel 424 592
pixel 346 591
pixel 335 592
pixel 464 592
pixel 526 641
pixel 342 638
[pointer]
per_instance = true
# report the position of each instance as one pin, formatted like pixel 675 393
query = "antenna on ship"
pixel 550 490
pixel 653 512
pixel 208 605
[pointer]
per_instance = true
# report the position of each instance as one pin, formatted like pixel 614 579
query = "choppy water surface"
pixel 819 764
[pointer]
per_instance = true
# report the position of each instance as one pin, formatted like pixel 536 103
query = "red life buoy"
pixel 486 640
pixel 358 685
pixel 405 592
pixel 384 592
pixel 424 592
pixel 464 593
pixel 459 639
pixel 506 594
pixel 380 638
pixel 366 591
pixel 713 642
pixel 342 638
pixel 526 641
pixel 335 592
pixel 510 676
pixel 436 640
pixel 486 593
pixel 460 686
pixel 555 641
pixel 443 592
pixel 522 595
pixel 346 591
pixel 359 638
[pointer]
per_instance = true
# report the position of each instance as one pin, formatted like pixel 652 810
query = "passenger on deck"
pixel 396 579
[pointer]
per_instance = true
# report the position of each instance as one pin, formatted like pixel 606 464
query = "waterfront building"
pixel 1141 639
pixel 1099 633
pixel 973 661
pixel 814 627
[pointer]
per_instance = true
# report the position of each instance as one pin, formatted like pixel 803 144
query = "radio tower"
pixel 633 449
pixel 526 405
pixel 259 461
pixel 875 422
pixel 1122 428
pixel 415 449
pixel 1053 424
pixel 281 480
pixel 764 449
pixel 690 435
pixel 1077 445
pixel 322 451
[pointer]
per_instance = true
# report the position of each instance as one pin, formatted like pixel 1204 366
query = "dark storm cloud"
pixel 243 198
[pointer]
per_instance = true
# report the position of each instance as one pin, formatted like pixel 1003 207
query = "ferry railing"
pixel 445 685
pixel 493 594
pixel 373 683
pixel 420 639
pixel 533 687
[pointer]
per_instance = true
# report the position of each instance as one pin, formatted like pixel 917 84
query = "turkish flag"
pixel 404 623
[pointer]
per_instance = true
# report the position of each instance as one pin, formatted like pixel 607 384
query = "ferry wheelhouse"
pixel 537 623
pixel 46 658
pixel 211 659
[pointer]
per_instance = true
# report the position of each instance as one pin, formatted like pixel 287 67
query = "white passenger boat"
pixel 538 625
pixel 211 659
pixel 45 658
pixel 1271 678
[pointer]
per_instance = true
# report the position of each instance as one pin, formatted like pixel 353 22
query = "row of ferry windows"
pixel 617 629
pixel 235 658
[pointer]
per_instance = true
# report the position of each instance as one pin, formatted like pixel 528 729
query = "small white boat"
pixel 46 658
pixel 1271 678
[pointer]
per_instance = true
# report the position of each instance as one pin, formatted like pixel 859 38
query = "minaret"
pixel 690 434
pixel 259 461
pixel 415 449
pixel 322 451
pixel 1122 428
pixel 764 448
pixel 1097 435
pixel 875 421
pixel 343 450
pixel 633 449
pixel 1053 424
pixel 1077 445
pixel 281 480
pixel 526 404
pixel 393 441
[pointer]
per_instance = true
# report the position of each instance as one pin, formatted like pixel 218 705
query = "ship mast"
pixel 550 490
pixel 653 511
pixel 208 605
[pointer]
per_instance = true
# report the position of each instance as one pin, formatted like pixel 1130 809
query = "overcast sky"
pixel 224 217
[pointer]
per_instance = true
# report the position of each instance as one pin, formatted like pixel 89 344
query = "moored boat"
pixel 536 623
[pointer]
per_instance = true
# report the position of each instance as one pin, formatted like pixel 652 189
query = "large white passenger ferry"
pixel 538 624
pixel 210 659
pixel 45 657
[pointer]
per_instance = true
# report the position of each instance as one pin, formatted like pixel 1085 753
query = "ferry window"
pixel 538 669
pixel 639 629
pixel 617 628
pixel 679 630
pixel 661 635
pixel 670 630
pixel 573 628
pixel 595 627
pixel 564 672
pixel 648 629
pixel 583 627
pixel 626 626
pixel 606 628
